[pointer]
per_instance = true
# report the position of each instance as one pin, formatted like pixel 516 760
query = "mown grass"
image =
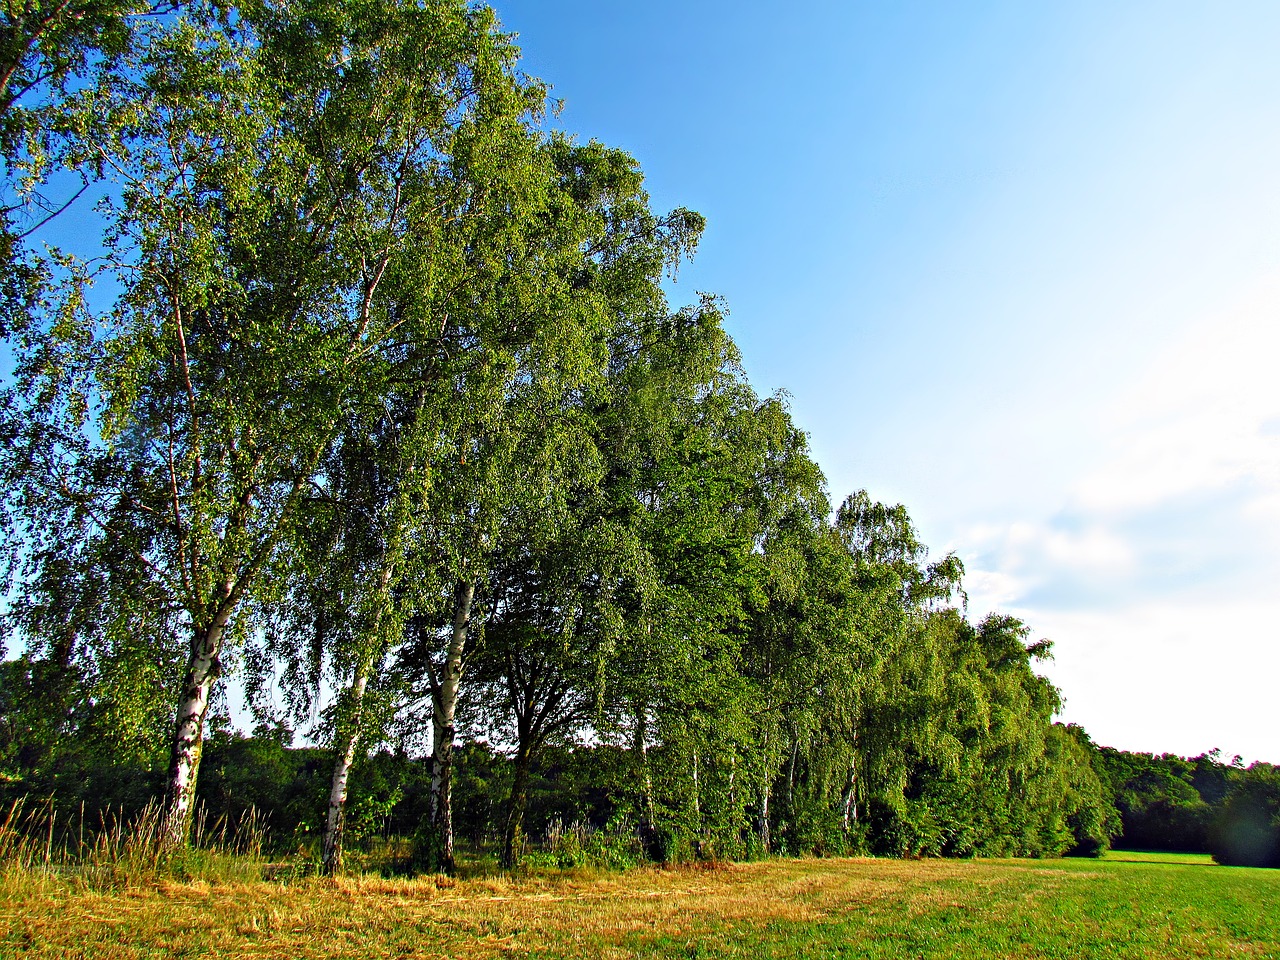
pixel 1158 856
pixel 795 908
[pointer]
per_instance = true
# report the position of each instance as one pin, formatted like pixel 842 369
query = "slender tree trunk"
pixel 438 852
pixel 787 822
pixel 762 822
pixel 440 834
pixel 697 790
pixel 188 734
pixel 516 808
pixel 766 793
pixel 642 752
pixel 646 828
pixel 791 775
pixel 851 791
pixel 851 798
pixel 331 861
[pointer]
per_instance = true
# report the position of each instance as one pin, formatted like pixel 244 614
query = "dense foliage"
pixel 370 395
pixel 1165 802
pixel 1246 829
pixel 1199 804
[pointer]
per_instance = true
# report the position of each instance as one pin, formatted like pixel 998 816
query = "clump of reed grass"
pixel 114 847
pixel 576 845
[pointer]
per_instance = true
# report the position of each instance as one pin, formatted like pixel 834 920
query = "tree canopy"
pixel 370 393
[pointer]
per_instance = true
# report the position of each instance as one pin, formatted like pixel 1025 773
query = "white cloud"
pixel 990 590
pixel 1264 508
pixel 1200 417
pixel 1004 563
pixel 1096 551
pixel 1159 646
pixel 1178 677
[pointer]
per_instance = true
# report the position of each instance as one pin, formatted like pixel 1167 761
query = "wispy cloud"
pixel 1155 572
pixel 1201 417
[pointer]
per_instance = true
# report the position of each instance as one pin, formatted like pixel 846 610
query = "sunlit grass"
pixel 810 908
pixel 1157 856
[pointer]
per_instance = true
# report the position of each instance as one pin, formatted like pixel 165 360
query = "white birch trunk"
pixel 697 804
pixel 188 734
pixel 642 750
pixel 762 824
pixel 850 799
pixel 851 790
pixel 444 701
pixel 331 861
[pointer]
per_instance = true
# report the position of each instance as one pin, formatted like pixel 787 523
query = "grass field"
pixel 1158 856
pixel 1122 906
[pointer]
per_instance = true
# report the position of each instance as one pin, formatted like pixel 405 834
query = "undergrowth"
pixel 114 848
pixel 577 845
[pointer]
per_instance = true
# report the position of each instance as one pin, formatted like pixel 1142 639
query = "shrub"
pixel 1246 831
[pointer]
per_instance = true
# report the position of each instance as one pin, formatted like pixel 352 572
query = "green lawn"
pixel 1117 907
pixel 1158 856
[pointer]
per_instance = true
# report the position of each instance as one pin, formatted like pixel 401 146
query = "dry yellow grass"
pixel 430 917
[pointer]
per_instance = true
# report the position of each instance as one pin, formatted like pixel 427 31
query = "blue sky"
pixel 1018 266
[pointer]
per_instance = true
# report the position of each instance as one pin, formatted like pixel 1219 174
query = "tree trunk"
pixel 791 776
pixel 851 791
pixel 697 790
pixel 642 751
pixel 762 823
pixel 515 809
pixel 331 861
pixel 437 854
pixel 439 840
pixel 851 799
pixel 647 827
pixel 188 734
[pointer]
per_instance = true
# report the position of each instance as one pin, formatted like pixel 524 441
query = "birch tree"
pixel 519 437
pixel 703 486
pixel 471 189
pixel 504 468
pixel 259 211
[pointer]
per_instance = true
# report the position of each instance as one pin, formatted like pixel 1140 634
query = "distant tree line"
pixel 369 393
pixel 1201 804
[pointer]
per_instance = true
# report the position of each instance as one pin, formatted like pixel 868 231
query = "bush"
pixel 1246 831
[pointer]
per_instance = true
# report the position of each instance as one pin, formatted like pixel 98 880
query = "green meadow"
pixel 1125 905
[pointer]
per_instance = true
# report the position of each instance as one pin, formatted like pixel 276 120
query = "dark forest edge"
pixel 261 796
pixel 370 394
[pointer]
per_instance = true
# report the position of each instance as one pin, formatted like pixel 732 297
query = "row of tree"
pixel 1203 804
pixel 370 391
